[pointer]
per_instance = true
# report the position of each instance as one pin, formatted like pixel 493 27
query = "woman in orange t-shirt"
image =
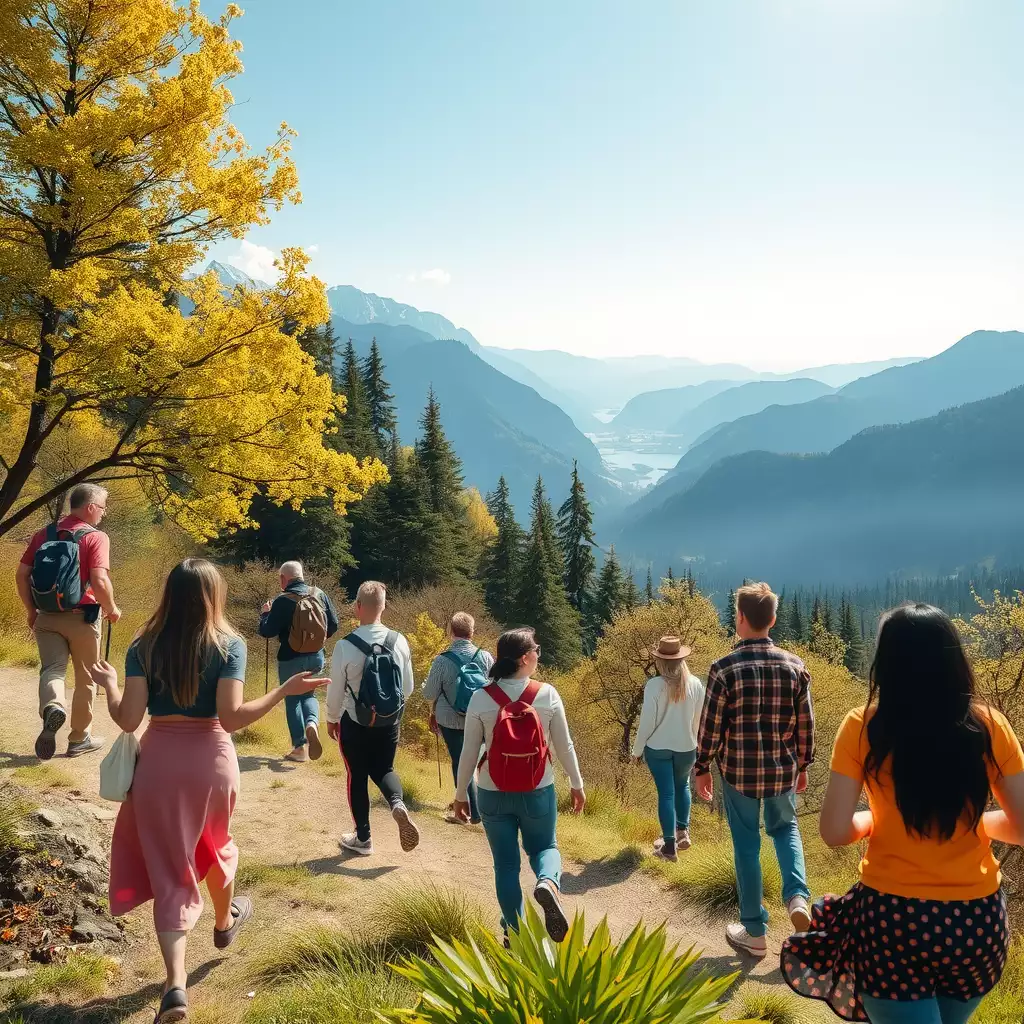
pixel 922 937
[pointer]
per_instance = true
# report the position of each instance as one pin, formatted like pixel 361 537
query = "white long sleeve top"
pixel 481 715
pixel 669 725
pixel 347 663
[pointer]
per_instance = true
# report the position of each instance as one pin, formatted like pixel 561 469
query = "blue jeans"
pixel 744 814
pixel 505 815
pixel 919 1011
pixel 453 741
pixel 300 711
pixel 671 772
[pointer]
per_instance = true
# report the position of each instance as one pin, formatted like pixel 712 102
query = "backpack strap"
pixel 359 644
pixel 391 641
pixel 530 693
pixel 498 695
pixel 454 659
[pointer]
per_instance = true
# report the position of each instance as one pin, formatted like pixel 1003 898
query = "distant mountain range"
pixel 359 307
pixel 924 498
pixel 981 365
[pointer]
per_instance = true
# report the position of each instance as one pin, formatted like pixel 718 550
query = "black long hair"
pixel 927 721
pixel 512 645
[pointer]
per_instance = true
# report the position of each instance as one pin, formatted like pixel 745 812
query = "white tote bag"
pixel 118 767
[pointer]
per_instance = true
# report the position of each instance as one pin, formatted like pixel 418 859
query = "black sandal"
pixel 242 910
pixel 173 1007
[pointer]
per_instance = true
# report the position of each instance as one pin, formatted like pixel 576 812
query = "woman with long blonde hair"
pixel 666 738
pixel 187 668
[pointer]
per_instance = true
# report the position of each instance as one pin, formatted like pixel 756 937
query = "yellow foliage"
pixel 426 642
pixel 482 527
pixel 118 168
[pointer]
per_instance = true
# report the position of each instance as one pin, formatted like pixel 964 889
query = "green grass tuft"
pixel 705 879
pixel 44 776
pixel 14 811
pixel 1005 1003
pixel 772 1005
pixel 84 975
pixel 290 881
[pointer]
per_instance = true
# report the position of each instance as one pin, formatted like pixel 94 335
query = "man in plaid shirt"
pixel 758 725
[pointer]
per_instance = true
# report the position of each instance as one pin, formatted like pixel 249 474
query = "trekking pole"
pixel 437 745
pixel 266 668
pixel 106 655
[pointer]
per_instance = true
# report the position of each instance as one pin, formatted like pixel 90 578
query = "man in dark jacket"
pixel 276 620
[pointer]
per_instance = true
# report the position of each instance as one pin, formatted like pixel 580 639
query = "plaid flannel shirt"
pixel 758 723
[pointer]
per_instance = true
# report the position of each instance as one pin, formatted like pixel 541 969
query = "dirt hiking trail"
pixel 293 815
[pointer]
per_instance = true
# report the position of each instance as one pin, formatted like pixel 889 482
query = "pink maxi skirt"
pixel 176 823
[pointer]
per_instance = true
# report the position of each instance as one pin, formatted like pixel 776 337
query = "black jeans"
pixel 369 754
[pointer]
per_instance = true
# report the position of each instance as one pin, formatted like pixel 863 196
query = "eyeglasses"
pixel 536 650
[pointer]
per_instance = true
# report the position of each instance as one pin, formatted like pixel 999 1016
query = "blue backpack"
pixel 380 700
pixel 471 678
pixel 56 577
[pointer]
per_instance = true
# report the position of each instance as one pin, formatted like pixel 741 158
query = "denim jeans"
pixel 919 1011
pixel 453 741
pixel 300 711
pixel 671 772
pixel 505 816
pixel 744 814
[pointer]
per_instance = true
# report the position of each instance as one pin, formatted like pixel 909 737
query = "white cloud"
pixel 312 249
pixel 437 276
pixel 257 261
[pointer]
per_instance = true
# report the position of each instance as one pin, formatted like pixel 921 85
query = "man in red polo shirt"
pixel 73 634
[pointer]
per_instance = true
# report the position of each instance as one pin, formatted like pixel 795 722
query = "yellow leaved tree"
pixel 118 168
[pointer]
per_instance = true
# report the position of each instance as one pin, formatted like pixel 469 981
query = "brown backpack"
pixel 308 632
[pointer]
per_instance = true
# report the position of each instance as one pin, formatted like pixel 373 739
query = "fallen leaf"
pixel 8 935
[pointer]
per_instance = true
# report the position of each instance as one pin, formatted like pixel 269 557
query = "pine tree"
pixel 503 561
pixel 796 621
pixel 380 404
pixel 730 613
pixel 671 576
pixel 575 530
pixel 827 617
pixel 780 631
pixel 320 343
pixel 649 595
pixel 541 601
pixel 354 433
pixel 691 583
pixel 816 610
pixel 630 593
pixel 440 473
pixel 610 594
pixel 849 632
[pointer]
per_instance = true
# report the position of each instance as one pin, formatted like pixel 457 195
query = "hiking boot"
pixel 86 746
pixel 298 755
pixel 683 839
pixel 546 894
pixel 54 718
pixel 666 851
pixel 350 841
pixel 408 833
pixel 753 945
pixel 799 914
pixel 316 748
pixel 241 911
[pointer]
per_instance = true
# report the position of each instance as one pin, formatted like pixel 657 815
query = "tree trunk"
pixel 20 471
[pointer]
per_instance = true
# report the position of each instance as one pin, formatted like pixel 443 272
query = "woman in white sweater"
pixel 521 799
pixel 666 738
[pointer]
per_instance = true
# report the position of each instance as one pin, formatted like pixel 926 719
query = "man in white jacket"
pixel 369 751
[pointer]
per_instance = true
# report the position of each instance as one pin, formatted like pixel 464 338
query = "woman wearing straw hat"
pixel 666 738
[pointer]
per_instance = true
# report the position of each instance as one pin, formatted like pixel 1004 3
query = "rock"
pixel 47 817
pixel 23 892
pixel 86 876
pixel 93 928
pixel 99 813
pixel 18 972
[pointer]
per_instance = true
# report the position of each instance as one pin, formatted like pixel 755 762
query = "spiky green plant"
pixel 595 979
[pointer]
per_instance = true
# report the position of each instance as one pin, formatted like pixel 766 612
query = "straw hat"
pixel 671 648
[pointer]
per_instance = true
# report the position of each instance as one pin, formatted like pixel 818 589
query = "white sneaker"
pixel 739 937
pixel 799 914
pixel 350 841
pixel 316 748
pixel 555 921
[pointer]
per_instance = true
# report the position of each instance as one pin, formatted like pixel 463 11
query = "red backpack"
pixel 518 755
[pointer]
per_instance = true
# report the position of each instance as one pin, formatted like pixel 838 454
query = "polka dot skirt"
pixel 891 947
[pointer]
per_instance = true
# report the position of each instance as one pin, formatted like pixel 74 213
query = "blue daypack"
pixel 471 678
pixel 380 700
pixel 56 577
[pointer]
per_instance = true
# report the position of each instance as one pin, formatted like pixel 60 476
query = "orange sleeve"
pixel 1005 745
pixel 847 755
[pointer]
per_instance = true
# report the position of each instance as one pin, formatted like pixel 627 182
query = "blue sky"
pixel 778 182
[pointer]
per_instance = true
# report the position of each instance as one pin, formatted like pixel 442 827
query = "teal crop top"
pixel 219 666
